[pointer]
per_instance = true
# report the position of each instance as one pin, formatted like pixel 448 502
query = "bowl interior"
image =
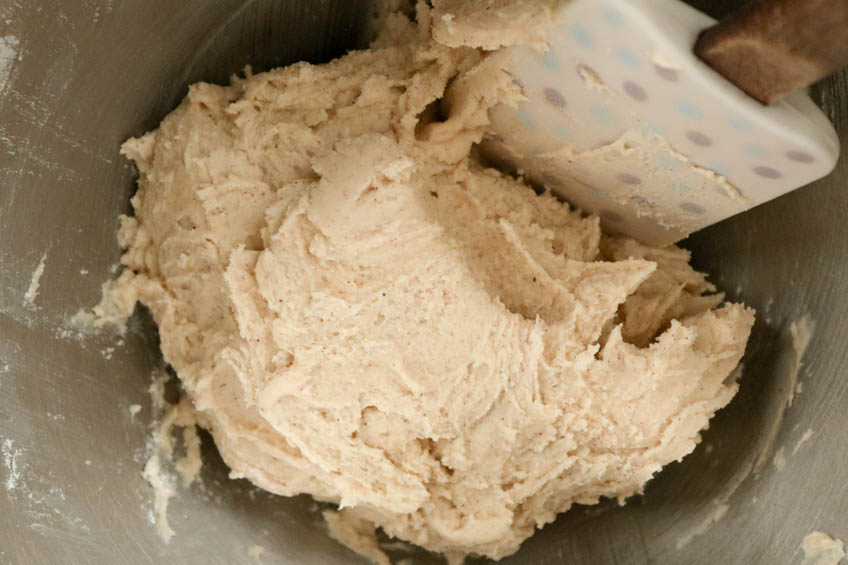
pixel 78 79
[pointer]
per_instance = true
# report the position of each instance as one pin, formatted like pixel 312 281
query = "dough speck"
pixel 717 511
pixel 32 292
pixel 161 445
pixel 821 549
pixel 12 468
pixel 804 439
pixel 256 552
pixel 802 333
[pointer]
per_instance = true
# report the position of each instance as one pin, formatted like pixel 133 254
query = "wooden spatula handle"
pixel 771 48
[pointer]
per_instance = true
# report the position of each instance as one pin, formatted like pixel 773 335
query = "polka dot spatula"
pixel 659 120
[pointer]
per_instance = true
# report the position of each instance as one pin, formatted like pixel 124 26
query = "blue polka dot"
pixel 549 61
pixel 738 125
pixel 656 129
pixel 668 162
pixel 526 119
pixel 681 186
pixel 582 36
pixel 611 17
pixel 602 115
pixel 755 151
pixel 627 57
pixel 689 110
pixel 723 170
pixel 563 132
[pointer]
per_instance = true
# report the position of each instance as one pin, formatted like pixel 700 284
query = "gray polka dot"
pixel 627 178
pixel 699 138
pixel 667 74
pixel 553 96
pixel 551 181
pixel 693 208
pixel 767 173
pixel 611 216
pixel 635 91
pixel 800 157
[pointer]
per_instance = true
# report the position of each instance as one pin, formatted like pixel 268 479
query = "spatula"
pixel 648 114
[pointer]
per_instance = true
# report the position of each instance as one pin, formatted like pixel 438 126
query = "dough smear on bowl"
pixel 361 311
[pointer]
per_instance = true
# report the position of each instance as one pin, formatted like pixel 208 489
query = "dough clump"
pixel 361 311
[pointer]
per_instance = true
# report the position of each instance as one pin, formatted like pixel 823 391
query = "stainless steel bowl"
pixel 80 77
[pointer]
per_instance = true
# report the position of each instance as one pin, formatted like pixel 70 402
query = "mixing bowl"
pixel 77 78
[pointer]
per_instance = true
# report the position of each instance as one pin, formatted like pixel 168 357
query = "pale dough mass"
pixel 361 311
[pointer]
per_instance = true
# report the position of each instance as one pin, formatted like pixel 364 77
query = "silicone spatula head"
pixel 625 121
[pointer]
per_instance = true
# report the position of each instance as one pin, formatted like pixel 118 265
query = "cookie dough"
pixel 361 311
